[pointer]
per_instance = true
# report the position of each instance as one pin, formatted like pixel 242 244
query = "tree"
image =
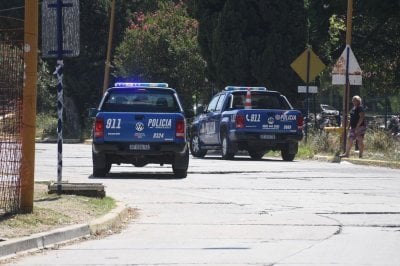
pixel 252 42
pixel 84 75
pixel 162 46
pixel 375 39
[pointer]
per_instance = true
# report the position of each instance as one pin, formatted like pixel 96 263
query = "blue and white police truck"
pixel 252 119
pixel 139 124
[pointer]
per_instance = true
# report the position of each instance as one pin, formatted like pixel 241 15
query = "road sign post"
pixel 307 66
pixel 346 72
pixel 60 27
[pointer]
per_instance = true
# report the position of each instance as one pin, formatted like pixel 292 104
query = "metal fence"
pixel 11 84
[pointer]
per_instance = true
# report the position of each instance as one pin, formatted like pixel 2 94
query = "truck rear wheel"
pixel 289 151
pixel 181 164
pixel 195 148
pixel 100 166
pixel 227 154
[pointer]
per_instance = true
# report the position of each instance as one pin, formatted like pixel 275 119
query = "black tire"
pixel 256 155
pixel 179 173
pixel 100 166
pixel 181 165
pixel 101 171
pixel 226 147
pixel 195 147
pixel 289 152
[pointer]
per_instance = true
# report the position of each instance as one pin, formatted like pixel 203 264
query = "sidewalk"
pixel 354 159
pixel 13 247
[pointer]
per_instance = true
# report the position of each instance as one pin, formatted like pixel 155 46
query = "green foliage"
pixel 379 144
pixel 46 126
pixel 84 75
pixel 46 90
pixel 322 142
pixel 379 140
pixel 252 42
pixel 162 46
pixel 375 39
pixel 305 151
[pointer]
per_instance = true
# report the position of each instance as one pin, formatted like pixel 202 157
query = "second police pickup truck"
pixel 247 118
pixel 139 123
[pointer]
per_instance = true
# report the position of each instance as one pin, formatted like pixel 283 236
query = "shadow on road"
pixel 138 175
pixel 269 159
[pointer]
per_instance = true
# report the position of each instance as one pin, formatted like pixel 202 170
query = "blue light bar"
pixel 141 85
pixel 240 88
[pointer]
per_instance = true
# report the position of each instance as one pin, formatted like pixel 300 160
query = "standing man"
pixel 358 127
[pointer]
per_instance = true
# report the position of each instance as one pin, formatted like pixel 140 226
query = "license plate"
pixel 139 147
pixel 267 136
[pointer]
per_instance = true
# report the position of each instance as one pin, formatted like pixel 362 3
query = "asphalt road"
pixel 239 212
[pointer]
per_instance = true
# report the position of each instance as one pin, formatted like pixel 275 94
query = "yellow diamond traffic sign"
pixel 308 59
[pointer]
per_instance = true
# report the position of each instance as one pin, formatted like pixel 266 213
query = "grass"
pixel 46 126
pixel 51 211
pixel 379 145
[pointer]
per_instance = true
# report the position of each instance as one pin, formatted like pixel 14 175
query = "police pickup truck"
pixel 138 124
pixel 253 119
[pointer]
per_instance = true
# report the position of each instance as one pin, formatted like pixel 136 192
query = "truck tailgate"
pixel 270 120
pixel 139 127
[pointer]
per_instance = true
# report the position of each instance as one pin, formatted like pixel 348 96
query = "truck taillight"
pixel 300 122
pixel 180 128
pixel 99 128
pixel 239 120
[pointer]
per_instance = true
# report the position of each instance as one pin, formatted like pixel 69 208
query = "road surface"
pixel 239 212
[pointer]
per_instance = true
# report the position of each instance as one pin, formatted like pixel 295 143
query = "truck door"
pixel 209 128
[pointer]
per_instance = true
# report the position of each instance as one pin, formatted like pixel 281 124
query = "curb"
pixel 364 161
pixel 12 247
pixel 109 221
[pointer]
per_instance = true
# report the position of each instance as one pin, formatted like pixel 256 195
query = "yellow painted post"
pixel 346 94
pixel 28 129
pixel 110 37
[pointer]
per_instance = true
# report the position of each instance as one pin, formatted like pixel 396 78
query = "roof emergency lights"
pixel 141 85
pixel 240 88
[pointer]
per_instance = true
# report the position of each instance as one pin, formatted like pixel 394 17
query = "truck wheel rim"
pixel 224 146
pixel 195 144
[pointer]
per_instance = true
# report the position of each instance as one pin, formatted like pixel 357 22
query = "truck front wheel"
pixel 226 147
pixel 195 147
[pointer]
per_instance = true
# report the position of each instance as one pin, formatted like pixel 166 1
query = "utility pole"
pixel 110 37
pixel 346 94
pixel 29 105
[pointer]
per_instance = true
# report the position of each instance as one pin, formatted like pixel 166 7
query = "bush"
pixel 46 126
pixel 322 142
pixel 379 144
pixel 379 140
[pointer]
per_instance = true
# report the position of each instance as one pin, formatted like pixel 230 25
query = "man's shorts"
pixel 360 133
